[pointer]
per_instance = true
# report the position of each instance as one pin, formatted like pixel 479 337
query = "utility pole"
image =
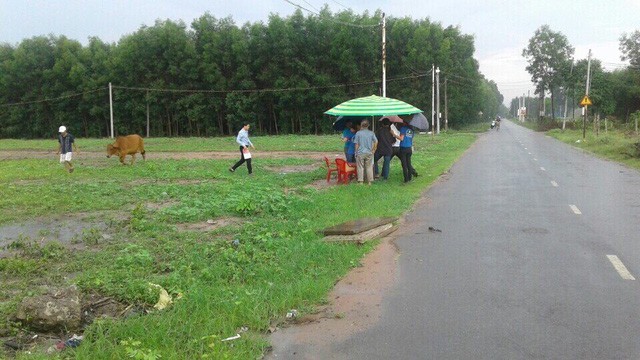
pixel 111 107
pixel 147 113
pixel 433 100
pixel 526 108
pixel 384 56
pixel 446 107
pixel 586 107
pixel 566 99
pixel 438 97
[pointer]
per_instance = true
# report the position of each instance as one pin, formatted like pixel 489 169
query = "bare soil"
pixel 210 225
pixel 200 155
pixel 355 306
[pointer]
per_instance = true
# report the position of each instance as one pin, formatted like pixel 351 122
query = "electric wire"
pixel 210 91
pixel 333 20
pixel 53 99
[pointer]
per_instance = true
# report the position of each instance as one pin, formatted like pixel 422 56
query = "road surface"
pixel 537 259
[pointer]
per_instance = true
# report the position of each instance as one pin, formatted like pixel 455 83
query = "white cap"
pixel 62 129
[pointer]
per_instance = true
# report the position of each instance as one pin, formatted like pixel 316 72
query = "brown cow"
pixel 127 145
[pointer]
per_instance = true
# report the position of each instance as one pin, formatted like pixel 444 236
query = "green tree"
pixel 549 56
pixel 630 47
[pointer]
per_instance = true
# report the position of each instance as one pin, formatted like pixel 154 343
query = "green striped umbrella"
pixel 373 106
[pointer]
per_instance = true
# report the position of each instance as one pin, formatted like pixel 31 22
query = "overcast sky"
pixel 501 28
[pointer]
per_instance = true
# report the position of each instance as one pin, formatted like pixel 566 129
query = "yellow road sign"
pixel 585 101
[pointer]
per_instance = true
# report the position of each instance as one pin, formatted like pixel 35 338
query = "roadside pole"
pixel 586 106
pixel 433 99
pixel 111 108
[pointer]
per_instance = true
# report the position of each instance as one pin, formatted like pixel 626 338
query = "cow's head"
pixel 112 150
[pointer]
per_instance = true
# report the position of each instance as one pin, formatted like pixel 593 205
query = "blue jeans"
pixel 385 165
pixel 351 158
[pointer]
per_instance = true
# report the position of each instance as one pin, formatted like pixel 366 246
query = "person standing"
pixel 396 149
pixel 349 147
pixel 245 156
pixel 366 144
pixel 384 150
pixel 406 144
pixel 66 145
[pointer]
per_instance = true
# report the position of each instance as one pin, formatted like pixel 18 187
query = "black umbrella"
pixel 420 122
pixel 341 122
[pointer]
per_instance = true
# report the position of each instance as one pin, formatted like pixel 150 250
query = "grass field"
pixel 144 224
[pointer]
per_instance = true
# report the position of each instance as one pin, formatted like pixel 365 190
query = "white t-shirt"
pixel 395 132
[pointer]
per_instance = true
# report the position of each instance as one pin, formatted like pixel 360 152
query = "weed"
pixel 91 236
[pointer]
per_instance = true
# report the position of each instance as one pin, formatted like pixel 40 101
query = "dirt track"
pixel 31 154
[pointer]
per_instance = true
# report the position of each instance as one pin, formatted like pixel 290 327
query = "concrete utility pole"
pixel 433 100
pixel 384 56
pixel 111 107
pixel 438 97
pixel 446 107
pixel 147 113
pixel 566 100
pixel 586 107
pixel 526 115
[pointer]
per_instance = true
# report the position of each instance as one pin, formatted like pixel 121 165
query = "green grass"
pixel 613 145
pixel 280 262
pixel 263 143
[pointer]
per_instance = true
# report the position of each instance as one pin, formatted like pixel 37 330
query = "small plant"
pixel 91 236
pixel 134 351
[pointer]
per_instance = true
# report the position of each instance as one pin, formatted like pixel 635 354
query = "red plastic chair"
pixel 330 170
pixel 345 172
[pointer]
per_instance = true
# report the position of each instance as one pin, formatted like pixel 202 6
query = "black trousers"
pixel 242 161
pixel 396 153
pixel 405 159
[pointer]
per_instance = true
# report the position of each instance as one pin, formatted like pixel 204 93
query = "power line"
pixel 340 4
pixel 210 91
pixel 313 7
pixel 272 90
pixel 53 99
pixel 330 19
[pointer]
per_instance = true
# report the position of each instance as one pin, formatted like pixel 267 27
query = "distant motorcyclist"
pixel 498 119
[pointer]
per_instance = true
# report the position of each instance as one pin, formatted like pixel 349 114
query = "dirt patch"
pixel 354 307
pixel 293 168
pixel 322 184
pixel 74 232
pixel 165 182
pixel 151 206
pixel 200 155
pixel 210 225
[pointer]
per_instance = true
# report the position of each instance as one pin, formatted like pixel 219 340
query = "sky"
pixel 501 28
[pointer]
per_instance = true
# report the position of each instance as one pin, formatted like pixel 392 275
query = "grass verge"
pixel 278 262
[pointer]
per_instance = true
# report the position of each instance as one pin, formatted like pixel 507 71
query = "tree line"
pixel 207 78
pixel 554 71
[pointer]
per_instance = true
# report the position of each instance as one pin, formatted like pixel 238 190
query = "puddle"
pixel 68 232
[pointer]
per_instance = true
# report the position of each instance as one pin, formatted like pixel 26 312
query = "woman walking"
pixel 245 155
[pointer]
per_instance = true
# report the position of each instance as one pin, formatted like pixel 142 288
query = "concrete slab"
pixel 375 233
pixel 358 226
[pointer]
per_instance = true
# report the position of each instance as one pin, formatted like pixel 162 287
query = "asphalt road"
pixel 525 265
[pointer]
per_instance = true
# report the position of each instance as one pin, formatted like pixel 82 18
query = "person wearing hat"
pixel 66 142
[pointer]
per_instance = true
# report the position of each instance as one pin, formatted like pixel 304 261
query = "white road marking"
pixel 534 159
pixel 525 148
pixel 543 169
pixel 620 268
pixel 555 184
pixel 575 210
pixel 529 153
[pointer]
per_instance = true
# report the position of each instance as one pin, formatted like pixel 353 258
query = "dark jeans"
pixel 351 158
pixel 405 158
pixel 242 161
pixel 396 152
pixel 385 165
